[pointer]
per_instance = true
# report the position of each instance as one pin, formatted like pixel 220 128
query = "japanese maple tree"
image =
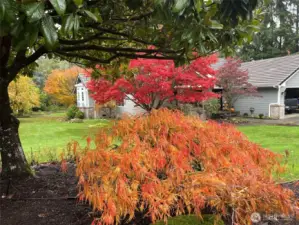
pixel 234 81
pixel 159 81
pixel 166 164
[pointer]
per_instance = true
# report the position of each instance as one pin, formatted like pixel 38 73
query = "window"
pixel 82 96
pixel 78 95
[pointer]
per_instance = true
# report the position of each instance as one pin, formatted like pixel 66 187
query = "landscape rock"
pixel 76 120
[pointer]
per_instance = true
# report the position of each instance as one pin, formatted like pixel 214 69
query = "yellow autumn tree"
pixel 60 85
pixel 23 94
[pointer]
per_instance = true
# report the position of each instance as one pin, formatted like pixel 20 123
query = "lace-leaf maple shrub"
pixel 167 164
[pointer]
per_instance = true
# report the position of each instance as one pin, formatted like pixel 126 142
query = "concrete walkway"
pixel 291 119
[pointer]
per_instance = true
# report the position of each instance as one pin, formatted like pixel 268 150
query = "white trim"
pixel 293 87
pixel 296 72
pixel 278 95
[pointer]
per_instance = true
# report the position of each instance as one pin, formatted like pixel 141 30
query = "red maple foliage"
pixel 167 164
pixel 159 81
pixel 234 81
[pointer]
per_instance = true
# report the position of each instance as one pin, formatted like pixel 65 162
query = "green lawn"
pixel 191 220
pixel 278 139
pixel 43 136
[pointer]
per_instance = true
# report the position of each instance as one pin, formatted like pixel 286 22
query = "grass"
pixel 278 139
pixel 44 136
pixel 191 220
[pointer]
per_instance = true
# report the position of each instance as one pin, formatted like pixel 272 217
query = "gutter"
pixel 289 76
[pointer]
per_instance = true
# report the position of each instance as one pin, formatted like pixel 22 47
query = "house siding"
pixel 91 101
pixel 293 81
pixel 129 108
pixel 260 104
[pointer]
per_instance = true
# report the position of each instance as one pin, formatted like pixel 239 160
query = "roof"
pixel 218 64
pixel 82 78
pixel 271 72
pixel 268 72
pixel 262 73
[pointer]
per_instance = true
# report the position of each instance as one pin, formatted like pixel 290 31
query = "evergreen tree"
pixel 279 33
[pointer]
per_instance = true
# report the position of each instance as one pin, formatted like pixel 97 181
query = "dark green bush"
pixel 45 101
pixel 212 107
pixel 71 112
pixel 79 115
pixel 245 114
pixel 261 116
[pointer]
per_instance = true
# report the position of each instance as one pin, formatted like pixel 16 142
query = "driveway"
pixel 289 120
pixel 294 117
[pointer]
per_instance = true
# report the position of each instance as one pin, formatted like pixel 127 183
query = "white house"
pixel 129 107
pixel 91 110
pixel 84 102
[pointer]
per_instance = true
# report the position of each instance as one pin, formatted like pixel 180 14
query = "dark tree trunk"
pixel 13 159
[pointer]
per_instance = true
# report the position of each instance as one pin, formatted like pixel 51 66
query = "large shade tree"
pixel 279 32
pixel 45 68
pixel 60 85
pixel 99 31
pixel 24 95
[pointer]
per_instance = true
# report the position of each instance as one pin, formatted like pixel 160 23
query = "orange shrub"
pixel 167 164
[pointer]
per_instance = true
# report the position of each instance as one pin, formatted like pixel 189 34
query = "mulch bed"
pixel 49 198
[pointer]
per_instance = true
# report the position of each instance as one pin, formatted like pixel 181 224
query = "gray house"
pixel 276 80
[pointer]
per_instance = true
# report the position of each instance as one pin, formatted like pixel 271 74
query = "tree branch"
pixel 90 58
pixel 5 45
pixel 116 49
pixel 42 50
pixel 71 61
pixel 82 41
pixel 15 68
pixel 143 106
pixel 134 18
pixel 115 56
pixel 21 55
pixel 96 26
pixel 135 56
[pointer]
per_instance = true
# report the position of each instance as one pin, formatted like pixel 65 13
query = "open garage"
pixel 292 90
pixel 292 93
pixel 292 98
